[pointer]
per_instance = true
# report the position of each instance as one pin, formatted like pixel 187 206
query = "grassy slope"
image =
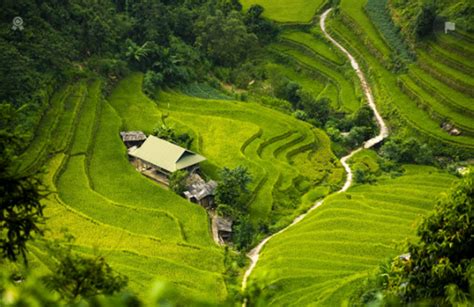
pixel 297 11
pixel 388 94
pixel 143 230
pixel 344 81
pixel 317 45
pixel 322 259
pixel 443 90
pixel 315 87
pixel 275 147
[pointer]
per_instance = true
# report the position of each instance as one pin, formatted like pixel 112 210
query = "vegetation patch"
pixel 323 258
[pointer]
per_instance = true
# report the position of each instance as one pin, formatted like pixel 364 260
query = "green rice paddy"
pixel 276 148
pixel 322 260
pixel 148 232
pixel 143 230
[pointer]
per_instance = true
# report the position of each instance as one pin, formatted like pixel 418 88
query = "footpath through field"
pixel 254 254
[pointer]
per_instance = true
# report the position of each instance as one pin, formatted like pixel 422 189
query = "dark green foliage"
pixel 357 135
pixel 81 276
pixel 21 212
pixel 64 40
pixel 178 181
pixel 151 82
pixel 284 88
pixel 363 176
pixel 441 266
pixel 407 150
pixel 364 117
pixel 243 233
pixel 266 30
pixel 380 15
pixel 316 109
pixel 224 39
pixel 233 188
pixel 169 134
pixel 424 21
pixel 226 211
pixel 301 115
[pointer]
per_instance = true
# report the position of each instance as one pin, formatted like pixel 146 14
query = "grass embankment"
pixel 144 231
pixel 297 11
pixel 286 157
pixel 324 258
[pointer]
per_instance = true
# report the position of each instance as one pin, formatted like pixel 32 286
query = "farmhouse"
pixel 164 158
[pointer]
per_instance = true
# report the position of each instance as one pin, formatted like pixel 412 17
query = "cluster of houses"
pixel 158 159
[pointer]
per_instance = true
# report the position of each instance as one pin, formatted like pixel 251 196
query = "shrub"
pixel 424 21
pixel 300 114
pixel 243 233
pixel 233 188
pixel 363 176
pixel 151 82
pixel 178 181
pixel 168 134
pixel 225 211
pixel 76 276
pixel 408 150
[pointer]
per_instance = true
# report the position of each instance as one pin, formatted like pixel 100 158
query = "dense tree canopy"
pixel 63 40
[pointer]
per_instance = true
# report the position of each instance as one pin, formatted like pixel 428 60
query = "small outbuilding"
pixel 202 193
pixel 224 228
pixel 164 157
pixel 133 138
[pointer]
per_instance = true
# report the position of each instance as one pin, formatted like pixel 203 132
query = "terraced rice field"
pixel 321 260
pixel 429 94
pixel 297 11
pixel 143 230
pixel 312 52
pixel 282 153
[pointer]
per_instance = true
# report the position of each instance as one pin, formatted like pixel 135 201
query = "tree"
pixel 243 233
pixel 441 263
pixel 266 30
pixel 178 181
pixel 424 21
pixel 356 136
pixel 364 117
pixel 136 53
pixel 225 40
pixel 363 176
pixel 317 109
pixel 77 276
pixel 21 212
pixel 408 150
pixel 233 187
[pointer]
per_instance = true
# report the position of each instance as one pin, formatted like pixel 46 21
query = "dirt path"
pixel 254 254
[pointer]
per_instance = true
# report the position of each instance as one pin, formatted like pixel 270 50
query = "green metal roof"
pixel 166 155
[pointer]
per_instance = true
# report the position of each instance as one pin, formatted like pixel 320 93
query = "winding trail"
pixel 254 254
